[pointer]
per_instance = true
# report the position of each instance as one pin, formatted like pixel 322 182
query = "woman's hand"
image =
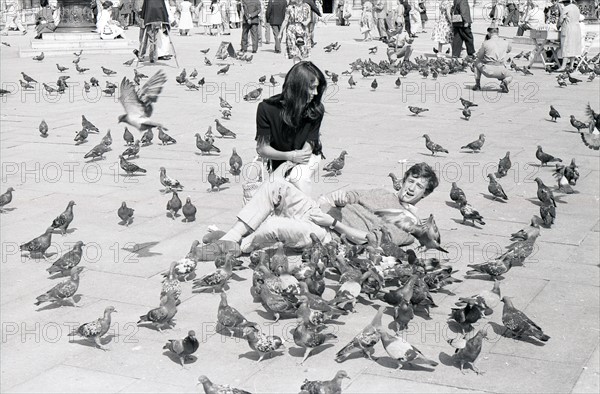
pixel 321 218
pixel 340 198
pixel 302 156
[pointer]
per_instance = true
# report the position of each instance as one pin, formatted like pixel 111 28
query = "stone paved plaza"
pixel 557 287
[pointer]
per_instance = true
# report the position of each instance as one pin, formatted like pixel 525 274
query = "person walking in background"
pixel 366 21
pixel 512 16
pixel 570 34
pixel 235 7
pixel 461 28
pixel 250 21
pixel 415 16
pixel 442 30
pixel 497 12
pixel 407 24
pixel 185 18
pixel 317 10
pixel 295 29
pixel 347 12
pixel 275 15
pixel 12 15
pixel 224 9
pixel 423 14
pixel 264 31
pixel 381 13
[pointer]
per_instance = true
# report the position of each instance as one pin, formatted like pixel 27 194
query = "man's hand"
pixel 467 24
pixel 321 218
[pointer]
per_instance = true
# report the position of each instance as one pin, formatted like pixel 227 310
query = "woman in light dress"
pixel 108 28
pixel 234 14
pixel 295 29
pixel 185 18
pixel 442 30
pixel 210 16
pixel 570 34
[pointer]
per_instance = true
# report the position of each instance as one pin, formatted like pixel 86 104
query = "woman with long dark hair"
pixel 288 124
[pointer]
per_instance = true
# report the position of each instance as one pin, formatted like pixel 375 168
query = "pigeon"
pixel 519 324
pixel 253 95
pixel 335 78
pixel 467 104
pixel 544 194
pixel 467 351
pixel 168 182
pixel 190 85
pixel 533 230
pixel 81 136
pixel 223 70
pixel 545 158
pixel 164 137
pixel 476 145
pixel 43 128
pixel 224 103
pixel 205 51
pixel 400 350
pixel 432 146
pixel 129 62
pixel 125 214
pixel 272 300
pixel 6 198
pixel 129 167
pixel 396 183
pixel 548 214
pixel 26 85
pixel 207 61
pixel 63 220
pixel 351 82
pixel 201 82
pixel 466 112
pixel 417 110
pixel 205 146
pixel 215 180
pixel 230 318
pixel 563 182
pixel 39 57
pixel 261 343
pixel 216 279
pixel 78 53
pixel 65 263
pixel 457 194
pixel 337 164
pixel 80 70
pixel 428 235
pixel 492 268
pixel 496 189
pixel 235 163
pixel 147 137
pixel 224 131
pixel 39 244
pixel 578 124
pixel 182 77
pixel 132 150
pixel 504 165
pixel 365 340
pixel 333 386
pixel 109 91
pixel 183 348
pixel 226 114
pixel 194 74
pixel 86 124
pixel 591 77
pixel 97 151
pixel 138 103
pixel 63 291
pixel 469 213
pixel 86 86
pixel 573 81
pixel 107 139
pixel 94 81
pixel 76 60
pixel 61 68
pixel 309 337
pixel 107 71
pixel 561 82
pixel 211 388
pixel 554 114
pixel 96 329
pixel 127 136
pixel 6 44
pixel 163 315
pixel 374 84
pixel 49 88
pixel 273 81
pixel 174 205
pixel 372 50
pixel 469 311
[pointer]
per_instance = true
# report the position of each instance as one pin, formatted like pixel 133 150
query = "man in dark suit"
pixel 462 28
pixel 275 15
pixel 250 20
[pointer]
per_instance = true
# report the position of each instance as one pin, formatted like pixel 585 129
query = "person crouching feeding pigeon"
pixel 399 45
pixel 490 60
pixel 281 212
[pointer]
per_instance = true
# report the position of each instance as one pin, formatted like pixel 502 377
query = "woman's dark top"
pixel 154 11
pixel 271 129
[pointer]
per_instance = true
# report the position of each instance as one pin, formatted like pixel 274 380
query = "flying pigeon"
pixel 138 103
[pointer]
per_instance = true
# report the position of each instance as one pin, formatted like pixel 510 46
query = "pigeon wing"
pixel 591 140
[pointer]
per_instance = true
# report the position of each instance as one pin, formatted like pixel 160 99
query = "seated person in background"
pixel 399 45
pixel 490 60
pixel 279 212
pixel 47 19
pixel 532 19
pixel 105 25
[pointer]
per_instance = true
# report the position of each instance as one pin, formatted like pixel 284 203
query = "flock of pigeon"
pixel 379 272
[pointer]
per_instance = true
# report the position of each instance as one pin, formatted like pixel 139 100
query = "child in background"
pixel 366 20
pixel 185 18
pixel 423 12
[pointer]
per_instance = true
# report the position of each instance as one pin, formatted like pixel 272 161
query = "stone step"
pixel 71 36
pixel 54 52
pixel 75 45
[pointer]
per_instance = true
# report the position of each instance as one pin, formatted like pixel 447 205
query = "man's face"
pixel 412 190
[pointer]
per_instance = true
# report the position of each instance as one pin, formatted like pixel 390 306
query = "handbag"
pixel 300 40
pixel 456 18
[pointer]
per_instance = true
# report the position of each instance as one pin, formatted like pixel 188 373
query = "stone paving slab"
pixel 558 288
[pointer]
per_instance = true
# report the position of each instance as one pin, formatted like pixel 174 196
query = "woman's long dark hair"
pixel 294 95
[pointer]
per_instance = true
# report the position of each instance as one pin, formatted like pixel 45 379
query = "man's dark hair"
pixel 423 170
pixel 43 3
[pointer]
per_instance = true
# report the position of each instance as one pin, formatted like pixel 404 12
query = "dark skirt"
pixel 423 12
